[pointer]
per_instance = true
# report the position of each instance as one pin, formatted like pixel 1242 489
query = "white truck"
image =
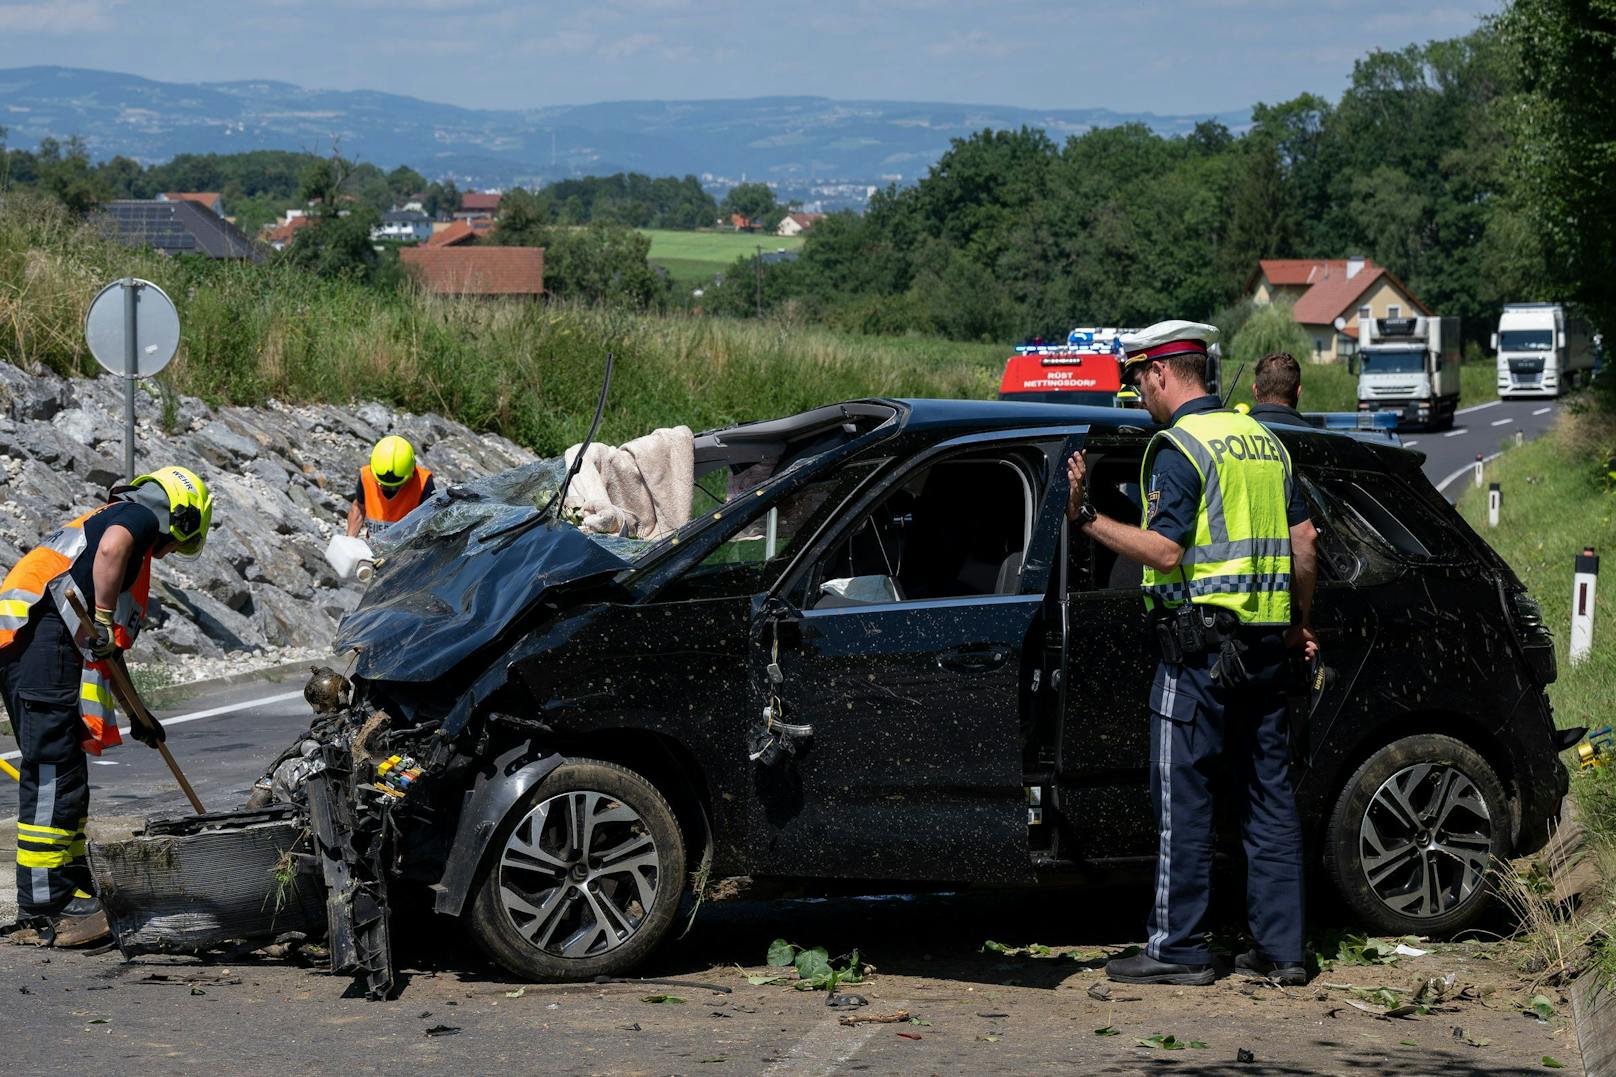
pixel 1409 366
pixel 1541 350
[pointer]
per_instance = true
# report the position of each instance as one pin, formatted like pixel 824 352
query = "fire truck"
pixel 1084 370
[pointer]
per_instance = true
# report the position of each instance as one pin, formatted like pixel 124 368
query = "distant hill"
pixel 794 140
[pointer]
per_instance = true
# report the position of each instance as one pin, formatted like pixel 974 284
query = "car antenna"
pixel 559 499
pixel 1227 393
pixel 555 501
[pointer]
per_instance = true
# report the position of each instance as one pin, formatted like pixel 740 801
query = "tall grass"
pixel 528 371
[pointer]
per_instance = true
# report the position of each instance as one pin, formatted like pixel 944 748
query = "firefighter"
pixel 53 676
pixel 390 486
pixel 1228 551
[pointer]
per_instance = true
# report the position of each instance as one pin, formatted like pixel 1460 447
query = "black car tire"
pixel 1344 844
pixel 491 925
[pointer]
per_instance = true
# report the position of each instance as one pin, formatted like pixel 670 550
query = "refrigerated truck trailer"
pixel 1542 351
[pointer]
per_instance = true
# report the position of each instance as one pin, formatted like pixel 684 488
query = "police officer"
pixel 1277 389
pixel 54 681
pixel 1228 551
pixel 390 486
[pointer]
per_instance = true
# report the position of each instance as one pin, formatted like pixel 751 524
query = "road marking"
pixel 1542 411
pixel 1410 443
pixel 825 1050
pixel 1478 407
pixel 1468 469
pixel 1501 422
pixel 1456 433
pixel 211 712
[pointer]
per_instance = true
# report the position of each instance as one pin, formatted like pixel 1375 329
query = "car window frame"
pixel 863 501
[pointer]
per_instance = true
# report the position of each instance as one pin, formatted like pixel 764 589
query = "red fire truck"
pixel 1084 370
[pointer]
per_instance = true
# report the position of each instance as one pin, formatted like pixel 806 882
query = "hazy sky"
pixel 1166 56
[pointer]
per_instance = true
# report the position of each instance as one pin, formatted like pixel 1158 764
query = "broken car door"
pixel 902 645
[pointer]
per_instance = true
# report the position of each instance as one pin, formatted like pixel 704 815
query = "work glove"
pixel 151 736
pixel 104 645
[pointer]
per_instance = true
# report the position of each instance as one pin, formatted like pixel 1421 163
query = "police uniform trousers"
pixel 1194 721
pixel 39 682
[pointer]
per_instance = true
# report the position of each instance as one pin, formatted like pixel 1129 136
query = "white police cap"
pixel 1165 339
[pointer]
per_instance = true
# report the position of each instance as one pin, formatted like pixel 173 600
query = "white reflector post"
pixel 1494 503
pixel 1582 603
pixel 1478 471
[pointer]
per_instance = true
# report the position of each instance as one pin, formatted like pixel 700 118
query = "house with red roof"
pixel 796 223
pixel 477 271
pixel 1322 290
pixel 208 200
pixel 479 204
pixel 461 233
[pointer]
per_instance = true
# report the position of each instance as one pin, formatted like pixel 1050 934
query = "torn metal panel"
pixel 351 845
pixel 197 881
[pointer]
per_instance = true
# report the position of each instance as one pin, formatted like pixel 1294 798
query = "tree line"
pixel 1455 164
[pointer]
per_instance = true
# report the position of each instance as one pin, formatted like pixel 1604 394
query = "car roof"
pixel 1010 414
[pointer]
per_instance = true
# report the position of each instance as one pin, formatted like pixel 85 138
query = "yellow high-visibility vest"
pixel 1239 557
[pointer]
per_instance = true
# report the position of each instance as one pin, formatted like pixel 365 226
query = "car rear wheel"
pixel 584 878
pixel 1414 833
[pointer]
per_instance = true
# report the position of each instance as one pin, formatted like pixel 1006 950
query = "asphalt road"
pixel 1482 428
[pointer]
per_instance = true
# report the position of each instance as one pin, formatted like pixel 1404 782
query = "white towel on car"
pixel 641 489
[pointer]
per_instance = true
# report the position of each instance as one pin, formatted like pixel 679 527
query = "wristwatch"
pixel 1086 515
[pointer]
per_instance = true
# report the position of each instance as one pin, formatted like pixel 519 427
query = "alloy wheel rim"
pixel 578 874
pixel 1426 840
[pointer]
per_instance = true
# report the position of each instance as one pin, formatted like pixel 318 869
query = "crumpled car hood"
pixel 453 574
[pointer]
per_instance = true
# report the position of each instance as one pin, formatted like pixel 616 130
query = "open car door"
pixel 901 652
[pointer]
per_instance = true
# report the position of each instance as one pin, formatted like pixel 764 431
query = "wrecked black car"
pixel 876 653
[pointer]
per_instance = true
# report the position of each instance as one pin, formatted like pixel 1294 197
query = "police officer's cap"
pixel 1165 340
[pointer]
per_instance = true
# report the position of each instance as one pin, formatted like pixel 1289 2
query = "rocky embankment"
pixel 281 478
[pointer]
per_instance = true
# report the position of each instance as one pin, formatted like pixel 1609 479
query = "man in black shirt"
pixel 1277 389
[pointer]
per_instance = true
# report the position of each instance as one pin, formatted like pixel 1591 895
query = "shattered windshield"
pixel 488 506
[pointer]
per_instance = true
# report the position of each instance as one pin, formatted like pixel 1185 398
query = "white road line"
pixel 1501 422
pixel 1466 470
pixel 1542 411
pixel 1456 433
pixel 825 1050
pixel 212 712
pixel 1410 443
pixel 1478 407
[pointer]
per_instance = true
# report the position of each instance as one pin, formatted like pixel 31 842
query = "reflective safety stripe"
pixel 33 832
pixel 95 709
pixel 28 858
pixel 1221 585
pixel 94 692
pixel 1211 487
pixel 1214 552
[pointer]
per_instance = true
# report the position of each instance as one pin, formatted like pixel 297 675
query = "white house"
pixel 796 223
pixel 403 226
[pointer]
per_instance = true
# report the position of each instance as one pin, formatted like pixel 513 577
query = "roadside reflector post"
pixel 1585 576
pixel 1495 500
pixel 1520 438
pixel 1478 471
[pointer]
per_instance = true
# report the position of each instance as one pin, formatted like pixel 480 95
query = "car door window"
pixel 1351 549
pixel 745 562
pixel 955 528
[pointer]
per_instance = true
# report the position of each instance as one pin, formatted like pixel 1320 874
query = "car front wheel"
pixel 585 876
pixel 1414 833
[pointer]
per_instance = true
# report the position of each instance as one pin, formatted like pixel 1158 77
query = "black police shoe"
pixel 1144 969
pixel 1254 962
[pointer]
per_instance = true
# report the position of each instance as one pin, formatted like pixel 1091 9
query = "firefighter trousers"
pixel 39 683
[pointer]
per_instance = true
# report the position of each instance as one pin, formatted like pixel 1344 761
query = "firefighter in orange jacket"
pixel 53 676
pixel 390 486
